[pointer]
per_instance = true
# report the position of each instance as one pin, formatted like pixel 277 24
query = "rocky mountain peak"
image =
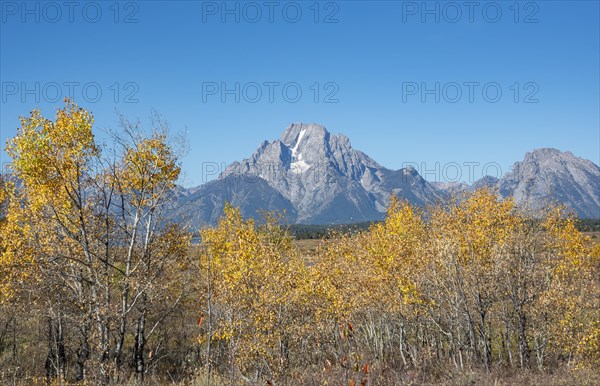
pixel 547 176
pixel 298 131
pixel 317 177
pixel 319 173
pixel 545 152
pixel 548 156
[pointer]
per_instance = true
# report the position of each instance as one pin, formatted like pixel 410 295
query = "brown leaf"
pixel 365 368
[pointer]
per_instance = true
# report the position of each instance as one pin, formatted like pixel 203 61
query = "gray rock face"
pixel 484 182
pixel 318 178
pixel 549 176
pixel 326 180
pixel 458 188
pixel 205 204
pixel 546 177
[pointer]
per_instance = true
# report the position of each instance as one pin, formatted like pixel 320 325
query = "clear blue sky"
pixel 371 59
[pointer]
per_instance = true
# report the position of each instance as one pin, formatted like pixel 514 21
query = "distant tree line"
pixel 324 231
pixel 588 224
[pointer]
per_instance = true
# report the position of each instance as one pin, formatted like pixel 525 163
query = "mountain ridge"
pixel 317 177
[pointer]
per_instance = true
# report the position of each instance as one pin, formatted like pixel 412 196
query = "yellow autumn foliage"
pixel 479 279
pixel 256 283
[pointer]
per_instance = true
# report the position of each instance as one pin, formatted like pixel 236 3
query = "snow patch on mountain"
pixel 299 165
pixel 295 148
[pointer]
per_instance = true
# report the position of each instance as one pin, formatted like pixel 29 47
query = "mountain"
pixel 205 204
pixel 548 176
pixel 545 177
pixel 456 188
pixel 316 177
